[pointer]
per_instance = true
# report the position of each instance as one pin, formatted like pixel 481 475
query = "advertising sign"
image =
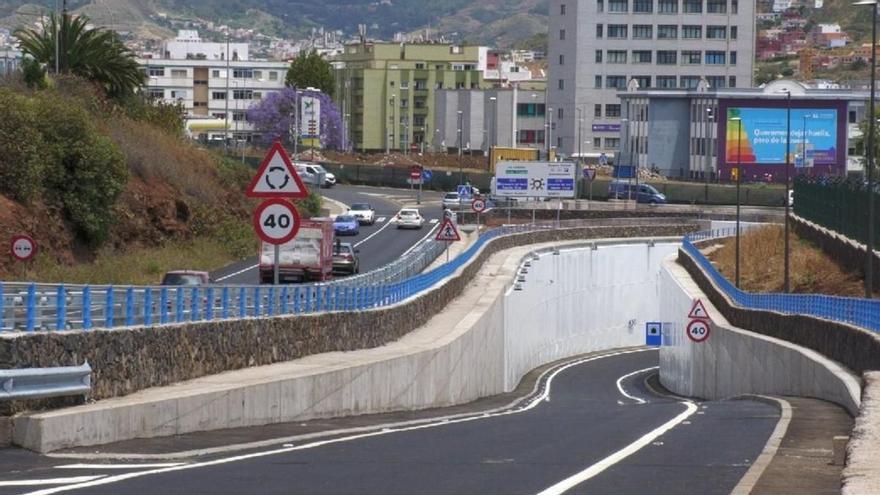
pixel 764 135
pixel 535 179
pixel 606 127
pixel 310 116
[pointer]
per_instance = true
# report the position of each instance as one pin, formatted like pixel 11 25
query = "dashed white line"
pixel 374 234
pixel 624 377
pixel 51 481
pixel 380 219
pixel 224 277
pixel 434 221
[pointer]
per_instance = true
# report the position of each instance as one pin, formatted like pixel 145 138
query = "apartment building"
pixel 386 90
pixel 598 48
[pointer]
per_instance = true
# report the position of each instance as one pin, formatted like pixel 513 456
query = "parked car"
pixel 345 258
pixel 451 200
pixel 310 174
pixel 365 213
pixel 410 218
pixel 346 225
pixel 186 277
pixel 642 193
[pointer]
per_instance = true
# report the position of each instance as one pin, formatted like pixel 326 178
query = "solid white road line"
pixel 576 479
pixel 51 481
pixel 224 277
pixel 750 479
pixel 516 408
pixel 120 466
pixel 429 234
pixel 374 234
pixel 624 377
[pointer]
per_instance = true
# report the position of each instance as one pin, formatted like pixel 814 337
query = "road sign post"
pixel 478 206
pixel 698 330
pixel 23 248
pixel 447 233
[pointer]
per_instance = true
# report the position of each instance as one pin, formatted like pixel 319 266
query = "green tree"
pixel 22 160
pixel 310 70
pixel 94 54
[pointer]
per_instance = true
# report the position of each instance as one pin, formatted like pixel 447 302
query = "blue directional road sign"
pixel 603 159
pixel 464 190
pixel 427 175
pixel 511 184
pixel 653 330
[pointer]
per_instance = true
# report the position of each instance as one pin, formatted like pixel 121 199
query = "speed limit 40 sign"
pixel 698 330
pixel 478 205
pixel 276 221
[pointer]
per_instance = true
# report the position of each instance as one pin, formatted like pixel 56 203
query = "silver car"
pixel 409 218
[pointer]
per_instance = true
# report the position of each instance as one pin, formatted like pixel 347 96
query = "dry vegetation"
pixel 762 260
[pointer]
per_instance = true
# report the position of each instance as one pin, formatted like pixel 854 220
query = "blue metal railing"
pixel 864 313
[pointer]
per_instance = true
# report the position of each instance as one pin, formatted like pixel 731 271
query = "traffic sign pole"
pixel 275 270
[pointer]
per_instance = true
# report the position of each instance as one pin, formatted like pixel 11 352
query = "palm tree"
pixel 94 54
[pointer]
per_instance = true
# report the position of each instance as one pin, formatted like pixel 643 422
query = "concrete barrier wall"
pixel 579 301
pixel 733 361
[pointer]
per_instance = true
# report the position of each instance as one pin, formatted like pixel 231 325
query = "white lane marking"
pixel 578 478
pixel 224 277
pixel 51 481
pixel 374 234
pixel 750 479
pixel 119 466
pixel 624 377
pixel 434 220
pixel 429 234
pixel 380 219
pixel 515 409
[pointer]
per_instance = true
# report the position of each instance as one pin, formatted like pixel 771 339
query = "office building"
pixel 598 48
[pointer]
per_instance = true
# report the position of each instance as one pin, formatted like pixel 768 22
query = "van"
pixel 642 193
pixel 311 175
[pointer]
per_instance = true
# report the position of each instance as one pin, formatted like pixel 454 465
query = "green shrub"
pixel 311 206
pixel 21 148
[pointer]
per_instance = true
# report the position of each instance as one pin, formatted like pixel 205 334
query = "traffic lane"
pixel 391 242
pixel 585 420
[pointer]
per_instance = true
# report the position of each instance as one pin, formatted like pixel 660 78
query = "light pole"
pixel 493 128
pixel 869 155
pixel 738 120
pixel 707 153
pixel 627 144
pixel 786 284
pixel 460 145
pixel 580 122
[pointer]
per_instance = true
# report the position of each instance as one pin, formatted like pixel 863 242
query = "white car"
pixel 363 212
pixel 309 173
pixel 451 200
pixel 410 218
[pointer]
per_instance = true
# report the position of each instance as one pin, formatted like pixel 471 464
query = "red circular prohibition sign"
pixel 282 219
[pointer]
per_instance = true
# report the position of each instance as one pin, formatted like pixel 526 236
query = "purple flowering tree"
pixel 274 118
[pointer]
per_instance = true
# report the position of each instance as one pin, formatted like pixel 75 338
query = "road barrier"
pixel 855 311
pixel 38 383
pixel 32 307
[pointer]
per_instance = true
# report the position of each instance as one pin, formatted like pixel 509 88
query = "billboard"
pixel 310 117
pixel 756 134
pixel 534 179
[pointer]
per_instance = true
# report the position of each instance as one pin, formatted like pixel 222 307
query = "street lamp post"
pixel 493 128
pixel 708 154
pixel 786 283
pixel 460 145
pixel 738 120
pixel 869 155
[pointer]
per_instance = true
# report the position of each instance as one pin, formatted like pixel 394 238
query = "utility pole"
pixel 226 111
pixel 57 35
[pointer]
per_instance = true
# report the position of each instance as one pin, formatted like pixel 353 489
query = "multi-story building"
pixel 386 90
pixel 215 85
pixel 599 47
pixel 10 60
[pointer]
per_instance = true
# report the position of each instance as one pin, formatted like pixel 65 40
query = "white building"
pixel 188 45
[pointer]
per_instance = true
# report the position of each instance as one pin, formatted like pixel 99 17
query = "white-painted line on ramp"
pixel 380 219
pixel 624 377
pixel 224 277
pixel 51 481
pixel 429 234
pixel 374 234
pixel 434 221
pixel 578 478
pixel 120 466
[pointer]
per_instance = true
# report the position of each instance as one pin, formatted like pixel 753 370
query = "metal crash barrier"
pixel 38 383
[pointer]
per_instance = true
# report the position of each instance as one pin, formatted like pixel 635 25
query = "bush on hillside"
pixel 21 148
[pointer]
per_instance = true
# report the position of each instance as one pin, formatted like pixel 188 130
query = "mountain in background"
pixel 497 22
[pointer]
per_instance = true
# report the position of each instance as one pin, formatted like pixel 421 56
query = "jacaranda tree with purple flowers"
pixel 274 118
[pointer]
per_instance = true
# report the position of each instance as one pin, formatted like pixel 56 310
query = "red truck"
pixel 308 257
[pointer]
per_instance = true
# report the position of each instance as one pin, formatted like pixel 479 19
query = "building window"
pixel 243 73
pixel 218 95
pixel 612 110
pixel 617 31
pixel 197 103
pixel 612 143
pixel 690 57
pixel 598 56
pixel 156 71
pixel 560 114
pixel 600 6
pixel 715 58
pixel 641 56
pixel 242 94
pixel 715 82
pixel 459 85
pixel 421 84
pixel 530 109
pixel 643 31
pixel 258 74
pixel 178 72
pixel 692 32
pixel 733 32
pixel 852 117
pixel 616 56
pixel 667 57
pixel 404 84
pixel 273 75
pixel 618 6
pixel 734 7
pixel 693 6
pixel 716 32
pixel 597 110
pixel 561 59
pixel 733 58
pixel 597 143
pixel 667 32
pixel 598 82
pixel 643 6
pixel 666 82
pixel 716 6
pixel 215 74
pixel 731 82
pixel 562 34
pixel 218 115
pixel 561 10
pixel 530 137
pixel 598 31
pixel 239 116
pixel 644 81
pixel 667 6
pixel 690 82
pixel 154 93
pixel 561 84
pixel 615 82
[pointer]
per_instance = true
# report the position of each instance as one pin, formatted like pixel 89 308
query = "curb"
pixel 753 475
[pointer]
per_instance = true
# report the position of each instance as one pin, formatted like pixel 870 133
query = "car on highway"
pixel 346 225
pixel 451 200
pixel 345 258
pixel 364 212
pixel 642 193
pixel 410 218
pixel 186 277
pixel 310 174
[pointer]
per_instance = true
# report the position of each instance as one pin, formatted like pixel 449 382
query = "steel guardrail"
pixel 38 383
pixel 56 307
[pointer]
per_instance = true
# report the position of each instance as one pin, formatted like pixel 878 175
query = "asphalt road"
pixel 592 427
pixel 379 244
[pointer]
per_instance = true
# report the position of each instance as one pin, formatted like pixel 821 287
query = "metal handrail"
pixel 38 383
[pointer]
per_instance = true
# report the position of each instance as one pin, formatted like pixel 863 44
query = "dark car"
pixel 346 225
pixel 345 258
pixel 642 193
pixel 186 277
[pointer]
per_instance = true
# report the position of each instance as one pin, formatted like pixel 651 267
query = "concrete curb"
pixel 750 479
pixel 337 207
pixel 862 473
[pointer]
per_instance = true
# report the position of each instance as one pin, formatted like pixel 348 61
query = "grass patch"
pixel 762 259
pixel 143 266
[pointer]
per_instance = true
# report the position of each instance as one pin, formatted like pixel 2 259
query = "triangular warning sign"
pixel 277 177
pixel 447 232
pixel 698 310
